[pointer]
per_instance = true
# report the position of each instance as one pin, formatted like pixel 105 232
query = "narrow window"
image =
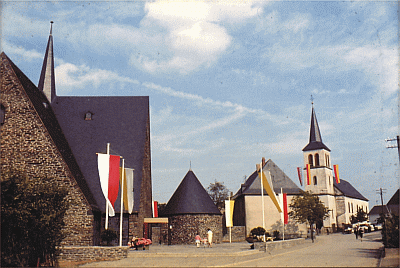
pixel 315 180
pixel 310 160
pixel 327 160
pixel 2 114
pixel 317 160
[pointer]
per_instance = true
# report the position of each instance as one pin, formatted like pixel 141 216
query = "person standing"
pixel 209 237
pixel 360 233
pixel 198 240
pixel 356 232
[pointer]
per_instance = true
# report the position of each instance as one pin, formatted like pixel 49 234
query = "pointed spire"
pixel 47 82
pixel 315 140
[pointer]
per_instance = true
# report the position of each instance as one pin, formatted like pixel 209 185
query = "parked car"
pixel 378 226
pixel 348 230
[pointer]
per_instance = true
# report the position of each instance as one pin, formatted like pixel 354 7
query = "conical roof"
pixel 47 81
pixel 315 141
pixel 190 198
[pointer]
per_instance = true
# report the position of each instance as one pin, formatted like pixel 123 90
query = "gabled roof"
pixel 252 186
pixel 47 81
pixel 315 140
pixel 395 199
pixel 46 114
pixel 190 198
pixel 348 190
pixel 121 121
pixel 376 210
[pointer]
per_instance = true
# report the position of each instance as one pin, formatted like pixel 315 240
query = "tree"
pixel 218 193
pixel 390 230
pixel 307 208
pixel 360 216
pixel 32 219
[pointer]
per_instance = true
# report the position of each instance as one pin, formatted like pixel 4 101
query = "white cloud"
pixel 28 55
pixel 70 76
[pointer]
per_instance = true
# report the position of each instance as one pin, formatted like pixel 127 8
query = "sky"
pixel 230 82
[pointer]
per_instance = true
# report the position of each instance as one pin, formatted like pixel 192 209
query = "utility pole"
pixel 381 191
pixel 394 146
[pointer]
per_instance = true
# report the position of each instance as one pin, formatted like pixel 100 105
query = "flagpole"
pixel 230 227
pixel 262 197
pixel 122 202
pixel 283 215
pixel 106 225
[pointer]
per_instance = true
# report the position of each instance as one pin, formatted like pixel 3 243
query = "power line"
pixel 394 146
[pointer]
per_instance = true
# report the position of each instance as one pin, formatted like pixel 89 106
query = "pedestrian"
pixel 356 232
pixel 198 240
pixel 209 237
pixel 360 233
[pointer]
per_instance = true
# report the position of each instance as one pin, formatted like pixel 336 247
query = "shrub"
pixel 276 234
pixel 258 231
pixel 108 236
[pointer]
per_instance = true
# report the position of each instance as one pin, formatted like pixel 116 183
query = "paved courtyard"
pixel 336 250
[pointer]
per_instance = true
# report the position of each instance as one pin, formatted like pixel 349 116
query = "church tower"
pixel 47 81
pixel 317 155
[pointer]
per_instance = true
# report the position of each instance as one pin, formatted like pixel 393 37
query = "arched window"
pixel 327 160
pixel 349 207
pixel 316 160
pixel 315 180
pixel 310 160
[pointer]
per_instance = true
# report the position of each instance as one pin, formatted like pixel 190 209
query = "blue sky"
pixel 230 81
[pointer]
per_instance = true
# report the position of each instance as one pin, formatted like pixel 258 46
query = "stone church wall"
pixel 27 146
pixel 184 228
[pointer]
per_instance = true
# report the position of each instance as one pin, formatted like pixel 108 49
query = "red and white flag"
pixel 299 173
pixel 108 166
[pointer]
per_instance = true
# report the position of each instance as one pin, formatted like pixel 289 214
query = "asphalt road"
pixel 335 250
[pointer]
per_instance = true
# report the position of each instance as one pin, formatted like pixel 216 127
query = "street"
pixel 328 251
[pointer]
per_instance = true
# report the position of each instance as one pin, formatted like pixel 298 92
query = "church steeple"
pixel 315 141
pixel 47 82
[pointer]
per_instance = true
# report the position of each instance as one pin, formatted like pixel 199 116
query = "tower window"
pixel 310 160
pixel 317 160
pixel 315 180
pixel 327 160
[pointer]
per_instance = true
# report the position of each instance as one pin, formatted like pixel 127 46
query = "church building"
pixel 59 137
pixel 342 199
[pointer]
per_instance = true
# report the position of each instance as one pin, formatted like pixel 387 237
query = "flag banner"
pixel 285 210
pixel 308 174
pixel 299 173
pixel 128 191
pixel 155 209
pixel 267 184
pixel 128 188
pixel 229 212
pixel 113 180
pixel 336 169
pixel 103 161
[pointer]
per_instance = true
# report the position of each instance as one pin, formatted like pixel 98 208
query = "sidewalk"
pixel 391 258
pixel 225 249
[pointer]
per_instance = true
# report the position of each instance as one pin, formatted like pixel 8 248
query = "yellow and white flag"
pixel 229 212
pixel 128 189
pixel 267 184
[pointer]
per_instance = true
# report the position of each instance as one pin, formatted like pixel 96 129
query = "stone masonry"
pixel 186 227
pixel 27 146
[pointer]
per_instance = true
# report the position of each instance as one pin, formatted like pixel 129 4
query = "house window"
pixel 317 160
pixel 349 207
pixel 327 160
pixel 315 180
pixel 310 160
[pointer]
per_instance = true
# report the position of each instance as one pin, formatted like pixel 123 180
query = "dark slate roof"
pixel 120 121
pixel 348 190
pixel 315 141
pixel 190 198
pixel 252 186
pixel 395 199
pixel 376 210
pixel 46 113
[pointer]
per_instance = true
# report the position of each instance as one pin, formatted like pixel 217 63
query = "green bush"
pixel 276 234
pixel 32 219
pixel 391 231
pixel 108 236
pixel 258 231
